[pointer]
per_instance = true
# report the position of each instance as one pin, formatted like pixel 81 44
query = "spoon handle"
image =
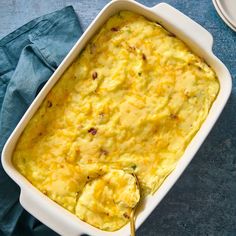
pixel 132 224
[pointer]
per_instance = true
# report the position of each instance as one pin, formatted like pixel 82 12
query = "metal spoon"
pixel 132 214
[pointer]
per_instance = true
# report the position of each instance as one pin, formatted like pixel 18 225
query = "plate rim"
pixel 223 15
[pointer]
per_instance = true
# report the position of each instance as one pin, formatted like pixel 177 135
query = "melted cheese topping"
pixel 132 101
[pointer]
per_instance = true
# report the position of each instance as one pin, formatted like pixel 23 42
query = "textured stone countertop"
pixel 203 201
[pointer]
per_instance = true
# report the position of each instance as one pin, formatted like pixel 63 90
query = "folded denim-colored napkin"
pixel 28 57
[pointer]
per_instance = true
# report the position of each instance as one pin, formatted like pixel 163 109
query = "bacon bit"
pixel 49 104
pixel 114 29
pixel 95 75
pixel 102 114
pixel 126 215
pixel 144 57
pixel 88 177
pixel 139 73
pixel 173 116
pixel 199 68
pixel 104 152
pixel 186 93
pixel 132 48
pixel 134 167
pixel 93 131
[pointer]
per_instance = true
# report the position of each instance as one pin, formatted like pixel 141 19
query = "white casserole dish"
pixel 199 40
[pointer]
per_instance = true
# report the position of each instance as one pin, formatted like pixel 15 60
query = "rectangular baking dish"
pixel 199 40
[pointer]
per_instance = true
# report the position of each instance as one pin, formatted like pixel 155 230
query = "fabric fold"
pixel 28 57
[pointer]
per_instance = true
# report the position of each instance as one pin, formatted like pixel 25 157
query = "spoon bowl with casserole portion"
pixel 108 201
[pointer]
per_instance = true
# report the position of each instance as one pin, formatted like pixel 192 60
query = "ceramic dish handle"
pixel 177 19
pixel 43 213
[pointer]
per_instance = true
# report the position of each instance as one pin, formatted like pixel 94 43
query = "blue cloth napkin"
pixel 28 57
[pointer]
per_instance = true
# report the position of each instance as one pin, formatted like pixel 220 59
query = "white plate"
pixel 227 11
pixel 199 40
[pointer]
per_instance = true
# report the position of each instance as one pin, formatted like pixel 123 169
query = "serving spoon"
pixel 132 214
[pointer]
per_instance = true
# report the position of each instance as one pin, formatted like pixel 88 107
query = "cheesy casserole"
pixel 130 103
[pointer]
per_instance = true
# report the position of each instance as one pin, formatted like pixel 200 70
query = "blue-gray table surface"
pixel 203 201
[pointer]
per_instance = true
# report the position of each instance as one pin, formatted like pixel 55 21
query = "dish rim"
pixel 185 29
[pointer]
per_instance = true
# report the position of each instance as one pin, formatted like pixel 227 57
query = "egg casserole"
pixel 130 103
